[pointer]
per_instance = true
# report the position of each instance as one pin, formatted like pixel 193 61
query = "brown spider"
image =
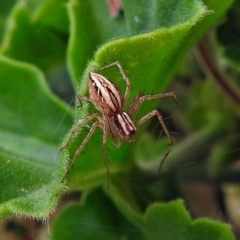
pixel 113 121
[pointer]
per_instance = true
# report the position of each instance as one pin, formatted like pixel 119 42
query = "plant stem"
pixel 210 66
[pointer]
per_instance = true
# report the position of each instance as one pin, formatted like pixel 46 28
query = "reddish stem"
pixel 211 67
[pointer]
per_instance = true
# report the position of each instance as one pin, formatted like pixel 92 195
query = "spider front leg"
pixel 78 127
pixel 126 79
pixel 74 133
pixel 160 118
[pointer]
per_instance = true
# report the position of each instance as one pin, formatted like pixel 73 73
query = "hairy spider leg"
pixel 126 79
pixel 74 133
pixel 160 118
pixel 96 124
pixel 105 149
pixel 137 101
pixel 77 128
pixel 92 130
pixel 134 108
pixel 105 134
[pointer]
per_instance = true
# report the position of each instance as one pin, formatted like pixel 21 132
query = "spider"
pixel 114 122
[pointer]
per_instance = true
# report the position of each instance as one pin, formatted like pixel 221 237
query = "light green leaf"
pixel 32 123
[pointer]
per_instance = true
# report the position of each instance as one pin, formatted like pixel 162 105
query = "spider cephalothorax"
pixel 114 122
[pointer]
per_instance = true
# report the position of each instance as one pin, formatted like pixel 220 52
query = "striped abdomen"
pixel 125 126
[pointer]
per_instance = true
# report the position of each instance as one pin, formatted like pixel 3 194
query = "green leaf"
pixel 95 218
pixel 172 221
pixel 227 34
pixel 149 59
pixel 145 16
pixel 5 7
pixel 148 150
pixel 166 220
pixel 23 40
pixel 32 123
pixel 84 39
pixel 149 51
pixel 53 15
pixel 216 10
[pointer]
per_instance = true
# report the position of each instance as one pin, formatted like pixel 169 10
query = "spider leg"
pixel 126 79
pixel 136 103
pixel 92 130
pixel 160 118
pixel 106 156
pixel 80 97
pixel 78 127
pixel 119 144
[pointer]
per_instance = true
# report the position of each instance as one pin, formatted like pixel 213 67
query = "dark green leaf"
pixel 28 41
pixel 96 218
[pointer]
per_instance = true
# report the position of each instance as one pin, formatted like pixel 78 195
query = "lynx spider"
pixel 114 122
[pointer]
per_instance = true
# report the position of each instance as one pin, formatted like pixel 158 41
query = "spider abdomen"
pixel 125 126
